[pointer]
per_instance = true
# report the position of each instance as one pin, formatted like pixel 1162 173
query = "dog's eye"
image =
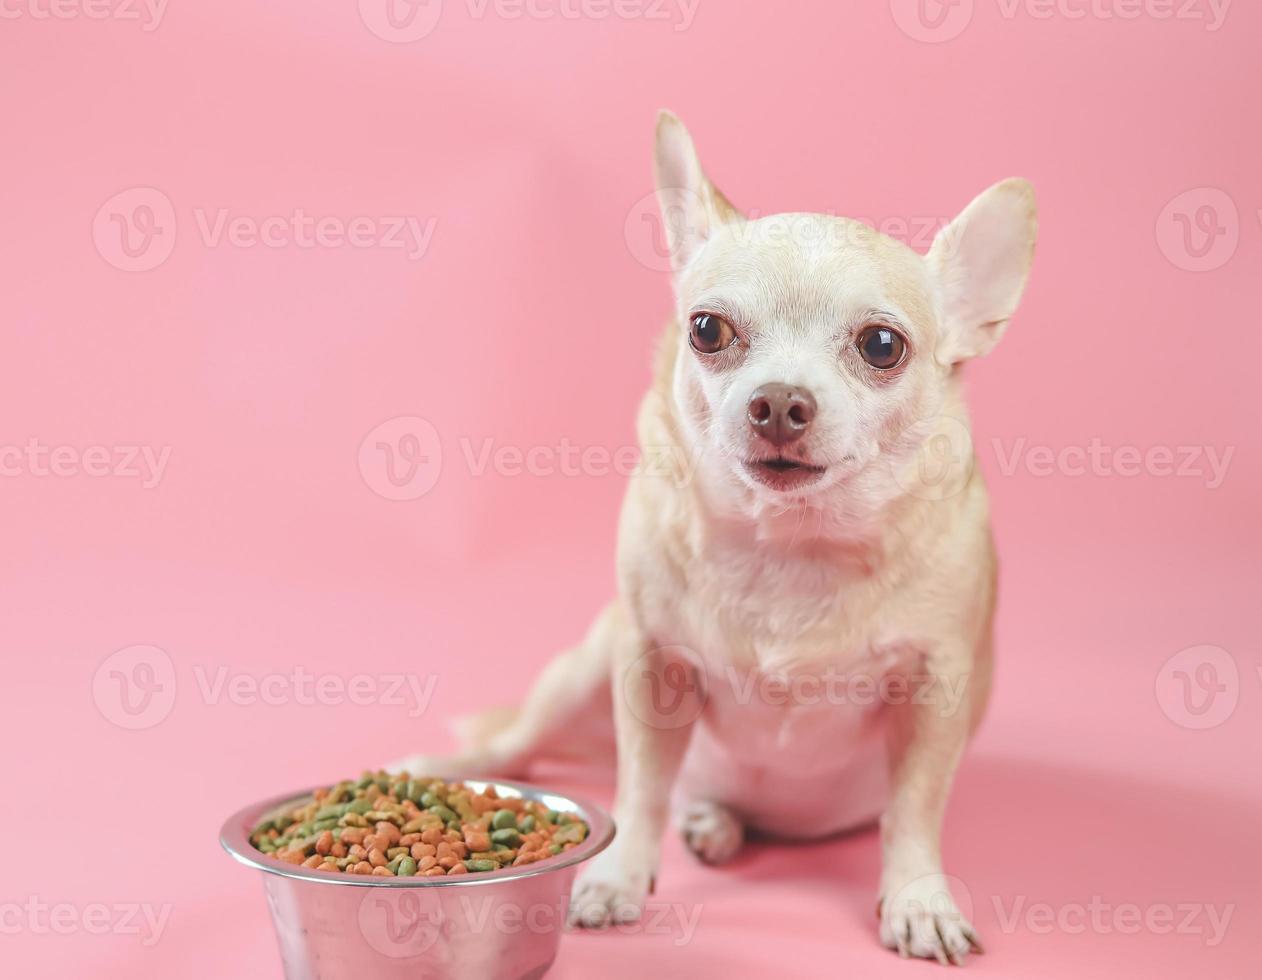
pixel 882 347
pixel 711 334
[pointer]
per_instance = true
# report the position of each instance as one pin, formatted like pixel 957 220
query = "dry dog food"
pixel 398 825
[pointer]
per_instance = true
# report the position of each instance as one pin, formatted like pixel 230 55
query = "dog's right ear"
pixel 692 207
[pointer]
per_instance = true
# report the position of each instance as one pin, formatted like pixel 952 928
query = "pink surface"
pixel 520 316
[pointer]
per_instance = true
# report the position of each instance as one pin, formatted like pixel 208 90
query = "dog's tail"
pixel 475 731
pixel 566 717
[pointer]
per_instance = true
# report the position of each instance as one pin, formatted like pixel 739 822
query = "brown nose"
pixel 781 413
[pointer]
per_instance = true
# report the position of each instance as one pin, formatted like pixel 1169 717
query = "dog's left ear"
pixel 692 207
pixel 980 262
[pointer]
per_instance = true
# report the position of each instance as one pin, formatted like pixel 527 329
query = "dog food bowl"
pixel 497 925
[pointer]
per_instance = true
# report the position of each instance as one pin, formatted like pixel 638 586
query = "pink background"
pixel 528 321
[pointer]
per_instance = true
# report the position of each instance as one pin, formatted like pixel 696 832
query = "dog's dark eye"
pixel 882 347
pixel 711 334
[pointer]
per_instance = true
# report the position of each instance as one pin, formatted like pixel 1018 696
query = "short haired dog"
pixel 821 534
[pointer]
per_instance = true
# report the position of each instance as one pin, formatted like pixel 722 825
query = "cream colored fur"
pixel 882 569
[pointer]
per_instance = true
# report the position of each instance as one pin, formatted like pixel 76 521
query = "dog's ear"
pixel 692 207
pixel 980 262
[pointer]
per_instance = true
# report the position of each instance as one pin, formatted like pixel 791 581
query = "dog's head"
pixel 818 355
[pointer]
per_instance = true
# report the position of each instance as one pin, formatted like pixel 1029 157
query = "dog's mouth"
pixel 782 473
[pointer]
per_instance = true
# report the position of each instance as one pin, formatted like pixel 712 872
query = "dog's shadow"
pixel 1026 832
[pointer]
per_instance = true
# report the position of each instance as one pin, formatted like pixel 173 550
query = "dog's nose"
pixel 781 413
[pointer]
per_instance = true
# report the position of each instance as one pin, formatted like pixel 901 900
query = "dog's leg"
pixel 918 914
pixel 657 698
pixel 569 699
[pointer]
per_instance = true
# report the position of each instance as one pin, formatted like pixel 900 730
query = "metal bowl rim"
pixel 234 838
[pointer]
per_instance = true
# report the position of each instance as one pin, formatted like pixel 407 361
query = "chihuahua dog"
pixel 805 601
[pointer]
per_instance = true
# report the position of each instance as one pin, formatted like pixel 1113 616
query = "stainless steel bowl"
pixel 498 925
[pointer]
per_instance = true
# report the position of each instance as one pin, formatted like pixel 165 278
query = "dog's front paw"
pixel 921 919
pixel 608 892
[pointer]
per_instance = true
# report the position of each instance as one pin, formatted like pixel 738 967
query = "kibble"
pixel 404 826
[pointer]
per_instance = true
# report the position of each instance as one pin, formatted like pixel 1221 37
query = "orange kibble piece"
pixel 457 869
pixel 432 836
pixel 324 844
pixel 383 872
pixel 377 858
pixel 477 840
pixel 313 862
pixel 363 868
pixel 433 872
pixel 425 863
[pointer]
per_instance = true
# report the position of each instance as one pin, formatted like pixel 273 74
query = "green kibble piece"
pixel 500 847
pixel 555 848
pixel 407 867
pixel 429 799
pixel 359 806
pixel 503 819
pixel 395 863
pixel 553 816
pixel 443 813
pixel 263 828
pixel 565 818
pixel 330 812
pixel 527 823
pixel 322 825
pixel 481 865
pixel 508 836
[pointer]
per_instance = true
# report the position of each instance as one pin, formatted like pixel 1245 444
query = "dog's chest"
pixel 784 617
